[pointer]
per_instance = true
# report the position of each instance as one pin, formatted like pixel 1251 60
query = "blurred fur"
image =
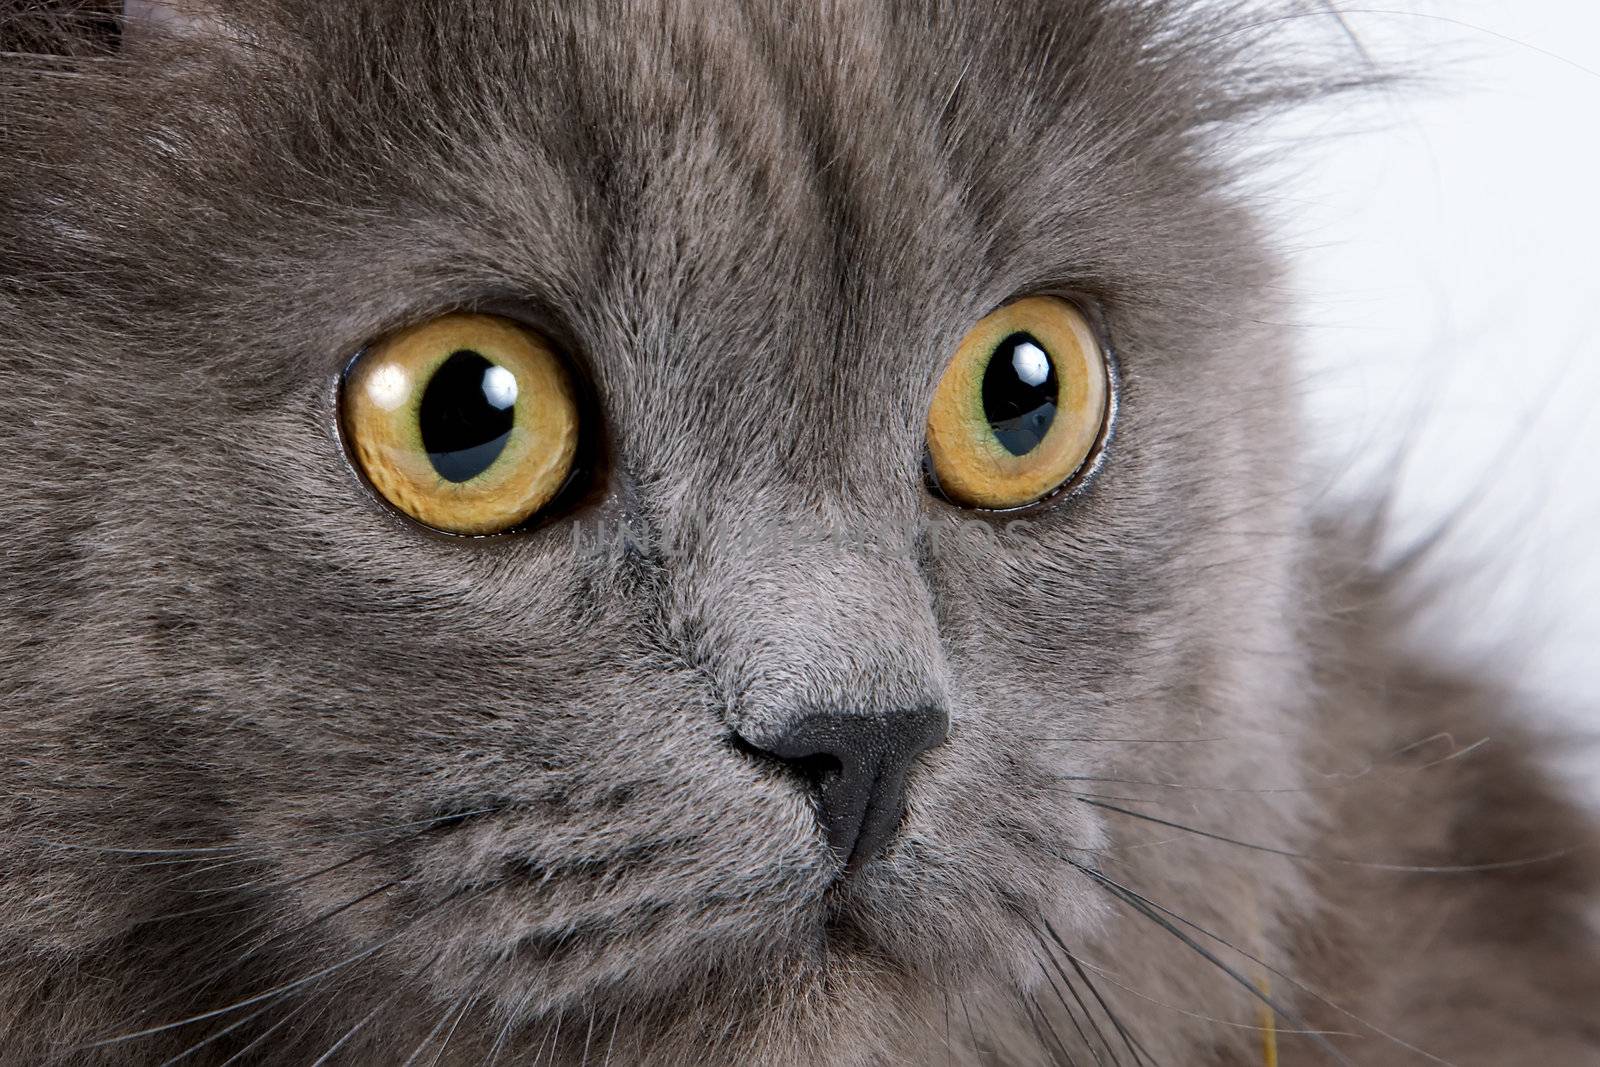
pixel 272 753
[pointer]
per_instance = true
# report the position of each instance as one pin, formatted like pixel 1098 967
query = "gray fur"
pixel 760 228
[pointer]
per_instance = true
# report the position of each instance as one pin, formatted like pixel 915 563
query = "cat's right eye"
pixel 467 423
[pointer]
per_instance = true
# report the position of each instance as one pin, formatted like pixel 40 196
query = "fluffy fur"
pixel 284 769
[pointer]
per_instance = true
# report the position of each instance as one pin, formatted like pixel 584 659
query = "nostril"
pixel 814 769
pixel 856 765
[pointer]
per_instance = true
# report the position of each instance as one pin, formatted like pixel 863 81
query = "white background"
pixel 1446 244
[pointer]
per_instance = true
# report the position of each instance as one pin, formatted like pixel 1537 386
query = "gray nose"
pixel 857 763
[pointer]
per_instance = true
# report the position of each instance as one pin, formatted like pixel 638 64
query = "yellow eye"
pixel 1021 408
pixel 467 423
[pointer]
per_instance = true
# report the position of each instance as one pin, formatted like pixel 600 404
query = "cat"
pixel 780 717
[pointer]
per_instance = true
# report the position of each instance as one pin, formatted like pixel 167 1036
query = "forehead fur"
pixel 785 190
pixel 861 135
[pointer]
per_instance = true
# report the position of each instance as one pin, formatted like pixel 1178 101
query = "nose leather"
pixel 857 763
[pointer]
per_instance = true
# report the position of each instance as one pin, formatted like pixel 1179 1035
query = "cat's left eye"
pixel 467 423
pixel 1021 409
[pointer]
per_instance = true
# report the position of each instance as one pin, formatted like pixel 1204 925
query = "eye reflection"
pixel 389 387
pixel 499 387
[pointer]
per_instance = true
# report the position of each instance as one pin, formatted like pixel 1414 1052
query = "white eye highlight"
pixel 499 387
pixel 1031 364
pixel 389 387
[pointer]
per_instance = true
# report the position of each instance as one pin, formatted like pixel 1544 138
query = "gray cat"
pixel 722 532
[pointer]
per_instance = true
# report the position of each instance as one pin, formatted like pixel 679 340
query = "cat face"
pixel 522 769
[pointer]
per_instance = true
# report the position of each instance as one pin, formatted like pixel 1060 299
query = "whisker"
pixel 1403 868
pixel 1136 740
pixel 256 950
pixel 1035 1017
pixel 1291 979
pixel 1349 32
pixel 1192 788
pixel 1457 750
pixel 218 864
pixel 1138 903
pixel 450 1036
pixel 587 1038
pixel 299 880
pixel 271 994
pixel 362 1023
pixel 302 879
pixel 288 987
pixel 68 846
pixel 1108 796
pixel 1134 1045
pixel 1110 976
pixel 217 1036
pixel 1055 987
pixel 950 1050
pixel 610 1044
pixel 503 1036
pixel 263 1036
pixel 449 1010
pixel 1341 779
pixel 1504 38
pixel 202 852
pixel 239 1056
pixel 555 1044
pixel 476 990
pixel 1094 1024
pixel 977 1046
pixel 985 1021
pixel 356 1029
pixel 266 923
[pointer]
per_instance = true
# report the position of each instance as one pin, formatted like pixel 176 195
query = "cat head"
pixel 575 769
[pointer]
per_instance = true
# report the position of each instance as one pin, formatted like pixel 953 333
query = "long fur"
pixel 286 777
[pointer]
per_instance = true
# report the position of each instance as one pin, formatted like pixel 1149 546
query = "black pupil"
pixel 1019 393
pixel 466 415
